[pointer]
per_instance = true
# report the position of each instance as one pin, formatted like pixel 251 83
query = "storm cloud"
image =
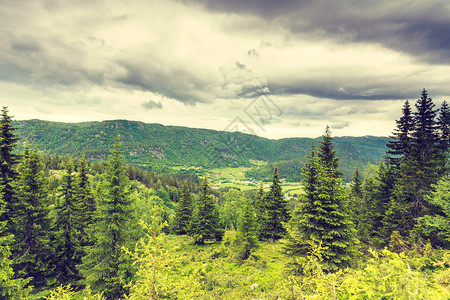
pixel 106 55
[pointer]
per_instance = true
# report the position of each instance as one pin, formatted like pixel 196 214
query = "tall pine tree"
pixel 276 210
pixel 183 215
pixel 32 224
pixel 8 162
pixel 327 154
pixel 400 141
pixel 68 222
pixel 206 222
pixel 320 219
pixel 105 267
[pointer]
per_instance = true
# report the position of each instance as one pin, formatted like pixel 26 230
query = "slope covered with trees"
pixel 155 145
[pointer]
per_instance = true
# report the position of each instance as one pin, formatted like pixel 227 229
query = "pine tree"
pixel 419 170
pixel 32 225
pixel 327 154
pixel 276 210
pixel 183 215
pixel 444 134
pixel 320 218
pixel 105 267
pixel 400 143
pixel 247 234
pixel 206 223
pixel 357 207
pixel 68 251
pixel 84 192
pixel 8 162
pixel 87 203
pixel 261 211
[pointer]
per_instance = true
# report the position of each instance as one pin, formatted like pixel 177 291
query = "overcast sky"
pixel 276 68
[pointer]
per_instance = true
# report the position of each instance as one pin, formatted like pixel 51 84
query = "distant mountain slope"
pixel 157 145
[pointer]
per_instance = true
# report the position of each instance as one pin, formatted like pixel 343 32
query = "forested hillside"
pixel 155 145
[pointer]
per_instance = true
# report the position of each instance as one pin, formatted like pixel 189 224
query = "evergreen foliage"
pixel 206 223
pixel 327 154
pixel 261 212
pixel 419 170
pixel 247 235
pixel 32 225
pixel 8 162
pixel 320 219
pixel 400 143
pixel 105 267
pixel 435 226
pixel 68 224
pixel 10 289
pixel 276 211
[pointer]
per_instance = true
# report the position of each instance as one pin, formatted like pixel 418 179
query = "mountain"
pixel 156 145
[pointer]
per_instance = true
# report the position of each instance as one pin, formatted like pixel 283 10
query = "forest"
pixel 83 228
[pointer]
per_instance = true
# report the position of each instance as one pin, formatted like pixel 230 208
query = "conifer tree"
pixel 68 222
pixel 85 198
pixel 419 170
pixel 183 216
pixel 32 225
pixel 444 134
pixel 327 154
pixel 400 143
pixel 247 234
pixel 8 162
pixel 276 210
pixel 261 212
pixel 84 192
pixel 320 219
pixel 206 223
pixel 105 267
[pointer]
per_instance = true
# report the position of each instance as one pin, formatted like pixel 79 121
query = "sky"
pixel 277 69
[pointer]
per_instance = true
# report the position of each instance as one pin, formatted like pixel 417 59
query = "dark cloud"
pixel 25 45
pixel 150 104
pixel 340 125
pixel 240 66
pixel 170 81
pixel 355 89
pixel 419 28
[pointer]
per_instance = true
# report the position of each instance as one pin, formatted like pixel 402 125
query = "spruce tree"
pixel 87 203
pixel 444 134
pixel 327 154
pixel 320 219
pixel 8 162
pixel 247 232
pixel 400 143
pixel 183 215
pixel 276 211
pixel 32 225
pixel 105 267
pixel 260 209
pixel 68 222
pixel 419 170
pixel 206 223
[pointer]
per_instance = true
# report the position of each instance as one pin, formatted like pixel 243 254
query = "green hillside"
pixel 155 145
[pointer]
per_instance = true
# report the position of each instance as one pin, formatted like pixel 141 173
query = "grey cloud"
pixel 150 104
pixel 356 89
pixel 170 81
pixel 419 28
pixel 340 125
pixel 240 66
pixel 25 45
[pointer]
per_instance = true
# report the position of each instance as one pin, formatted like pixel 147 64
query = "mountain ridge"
pixel 153 144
